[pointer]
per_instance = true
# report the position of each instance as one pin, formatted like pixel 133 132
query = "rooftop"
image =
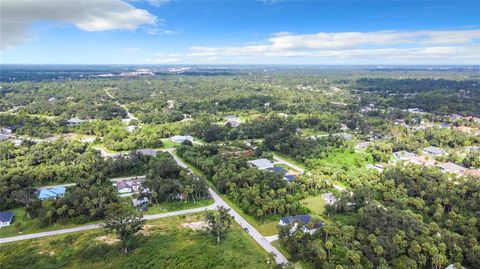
pixel 262 163
pixel 6 216
pixel 449 166
pixel 304 219
pixel 51 192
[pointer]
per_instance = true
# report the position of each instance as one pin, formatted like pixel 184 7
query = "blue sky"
pixel 240 32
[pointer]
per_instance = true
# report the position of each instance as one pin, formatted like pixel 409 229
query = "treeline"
pixel 413 217
pixel 259 193
pixel 168 182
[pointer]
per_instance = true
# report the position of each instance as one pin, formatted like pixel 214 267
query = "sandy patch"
pixel 107 239
pixel 199 225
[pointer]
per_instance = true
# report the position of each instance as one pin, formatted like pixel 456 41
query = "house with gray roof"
pixel 434 151
pixel 452 167
pixel 261 164
pixel 6 218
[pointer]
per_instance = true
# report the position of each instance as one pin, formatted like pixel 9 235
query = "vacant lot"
pixel 165 243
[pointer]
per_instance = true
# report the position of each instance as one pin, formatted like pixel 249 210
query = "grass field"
pixel 29 226
pixel 176 206
pixel 316 204
pixel 313 132
pixel 266 228
pixel 164 243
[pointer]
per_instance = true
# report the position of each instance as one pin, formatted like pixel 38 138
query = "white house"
pixel 403 155
pixel 261 164
pixel 181 138
pixel 75 121
pixel 329 198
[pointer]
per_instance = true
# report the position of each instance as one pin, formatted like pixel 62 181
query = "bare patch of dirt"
pixel 107 239
pixel 198 225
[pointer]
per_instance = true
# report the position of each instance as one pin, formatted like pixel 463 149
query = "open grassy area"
pixel 176 206
pixel 29 226
pixel 316 204
pixel 165 243
pixel 266 228
pixel 167 143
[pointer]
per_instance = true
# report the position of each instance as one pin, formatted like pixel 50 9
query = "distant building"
pixel 278 169
pixel 181 138
pixel 451 167
pixel 362 145
pixel 290 177
pixel 3 137
pixel 329 198
pixel 290 220
pixel 262 164
pixel 51 193
pixel 445 125
pixel 403 155
pixel 75 121
pixel 415 110
pixel 6 218
pixel 233 122
pixel 345 136
pixel 140 202
pixel 434 151
pixel 131 128
pixel 147 152
pixel 128 186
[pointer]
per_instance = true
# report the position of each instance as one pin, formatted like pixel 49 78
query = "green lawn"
pixel 316 204
pixel 176 206
pixel 165 243
pixel 167 143
pixel 266 228
pixel 289 159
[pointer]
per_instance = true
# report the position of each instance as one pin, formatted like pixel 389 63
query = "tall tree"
pixel 218 222
pixel 124 221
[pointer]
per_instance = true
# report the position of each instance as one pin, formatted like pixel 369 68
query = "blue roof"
pixel 6 216
pixel 51 192
pixel 278 169
pixel 304 219
pixel 290 177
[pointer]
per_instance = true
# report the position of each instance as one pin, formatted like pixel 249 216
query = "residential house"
pixel 329 198
pixel 131 128
pixel 140 202
pixel 3 137
pixel 451 167
pixel 434 151
pixel 261 164
pixel 415 110
pixel 6 131
pixel 6 218
pixel 278 169
pixel 181 138
pixel 362 145
pixel 403 155
pixel 232 121
pixel 128 186
pixel 303 220
pixel 147 152
pixel 75 121
pixel 444 125
pixel 289 177
pixel 51 193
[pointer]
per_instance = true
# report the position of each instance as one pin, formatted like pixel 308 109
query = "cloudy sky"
pixel 239 32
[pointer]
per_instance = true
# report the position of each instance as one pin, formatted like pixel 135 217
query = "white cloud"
pixel 409 47
pixel 157 3
pixel 88 15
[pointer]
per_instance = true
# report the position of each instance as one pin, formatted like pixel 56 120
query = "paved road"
pixel 96 226
pixel 261 240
